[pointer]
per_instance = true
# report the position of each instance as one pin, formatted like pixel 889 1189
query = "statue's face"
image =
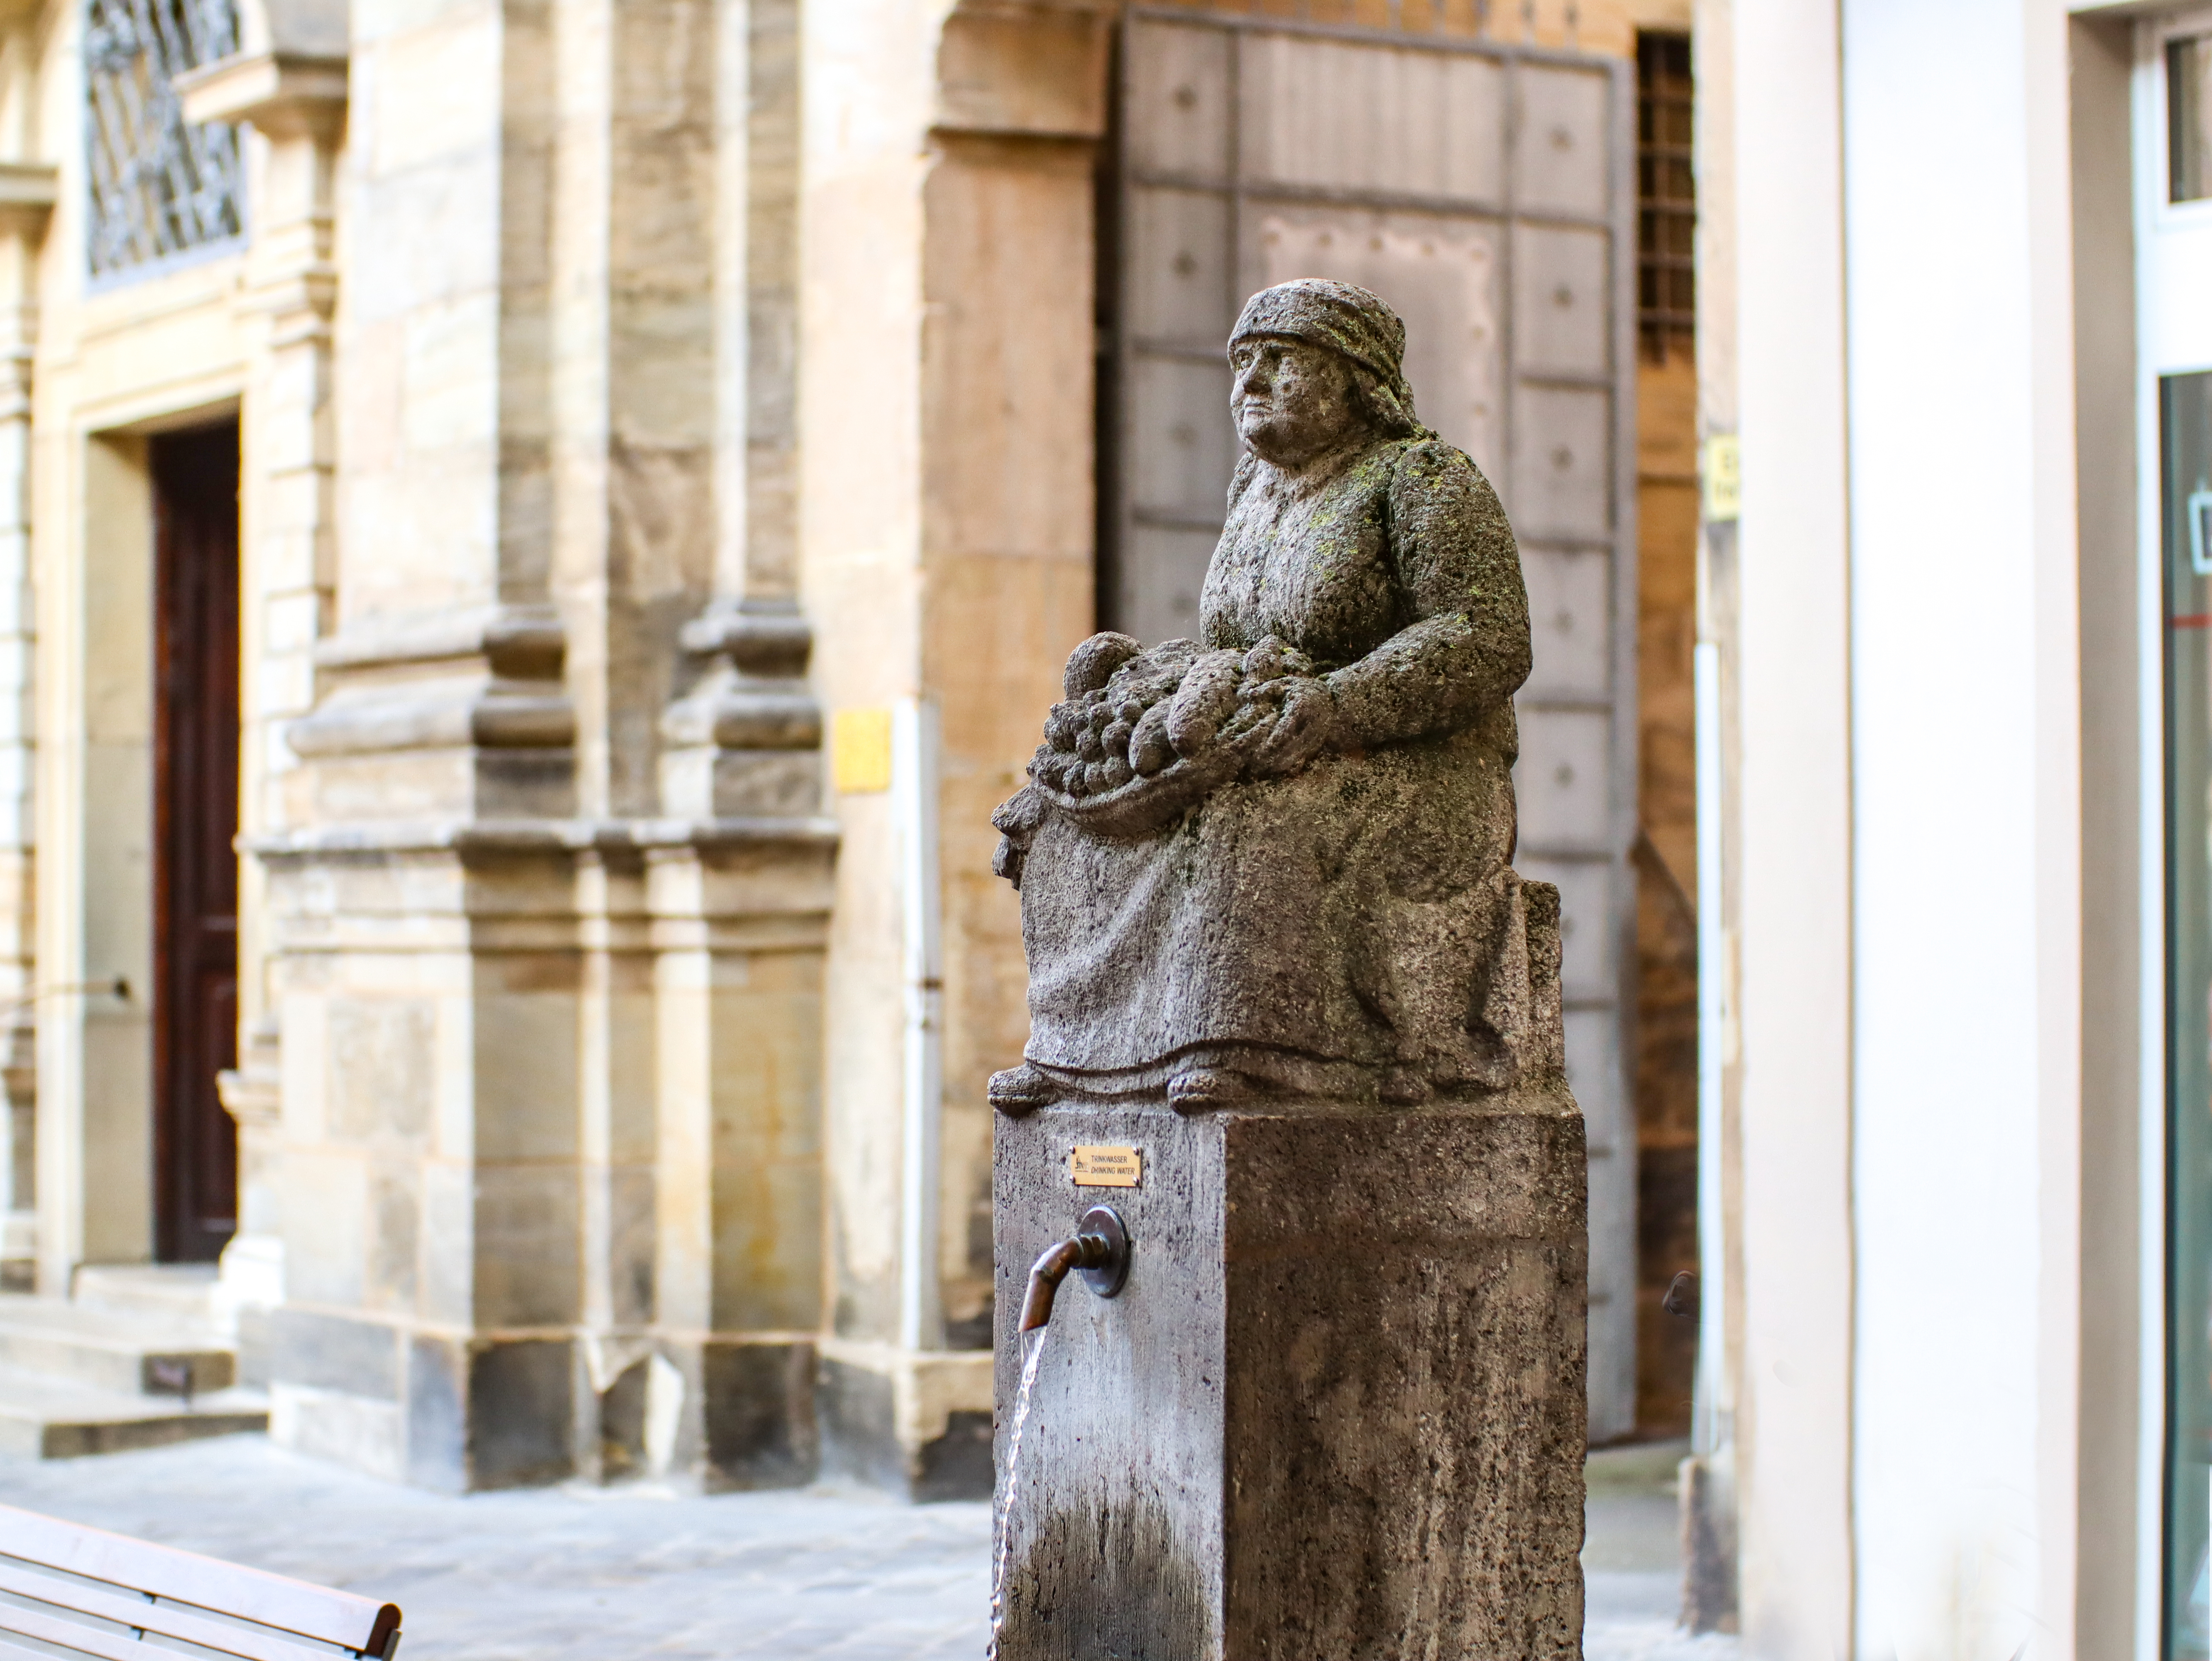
pixel 1292 399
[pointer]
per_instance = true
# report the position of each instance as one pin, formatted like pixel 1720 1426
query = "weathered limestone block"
pixel 739 931
pixel 747 741
pixel 460 712
pixel 547 1149
pixel 1337 1409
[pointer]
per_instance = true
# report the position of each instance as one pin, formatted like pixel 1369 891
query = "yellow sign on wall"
pixel 1724 478
pixel 860 751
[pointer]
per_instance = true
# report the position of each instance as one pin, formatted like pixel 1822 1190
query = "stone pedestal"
pixel 1338 1410
pixel 548 1159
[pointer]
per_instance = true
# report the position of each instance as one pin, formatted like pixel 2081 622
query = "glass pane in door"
pixel 2189 118
pixel 2186 423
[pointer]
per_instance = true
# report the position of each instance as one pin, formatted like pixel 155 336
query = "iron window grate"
pixel 1666 196
pixel 159 186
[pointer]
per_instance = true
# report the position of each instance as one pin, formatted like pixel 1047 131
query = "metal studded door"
pixel 1486 192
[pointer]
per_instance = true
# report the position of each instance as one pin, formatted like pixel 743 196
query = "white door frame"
pixel 2173 269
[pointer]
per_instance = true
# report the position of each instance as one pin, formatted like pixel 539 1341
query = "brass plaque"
pixel 1105 1167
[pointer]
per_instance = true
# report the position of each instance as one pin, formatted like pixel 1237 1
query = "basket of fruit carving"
pixel 1143 735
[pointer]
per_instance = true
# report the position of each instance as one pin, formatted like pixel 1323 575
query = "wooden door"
pixel 196 721
pixel 1489 193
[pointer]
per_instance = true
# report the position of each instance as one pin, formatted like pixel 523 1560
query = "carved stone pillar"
pixel 746 742
pixel 27 200
pixel 433 902
pixel 740 915
pixel 946 417
pixel 740 921
pixel 289 85
pixel 547 890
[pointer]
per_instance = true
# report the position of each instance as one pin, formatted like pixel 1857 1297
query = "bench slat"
pixel 70 1635
pixel 343 1618
pixel 167 1619
pixel 11 1651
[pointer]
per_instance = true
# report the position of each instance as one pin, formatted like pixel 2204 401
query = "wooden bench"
pixel 76 1591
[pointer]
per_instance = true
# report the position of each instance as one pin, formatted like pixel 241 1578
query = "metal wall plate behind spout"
pixel 1106 1278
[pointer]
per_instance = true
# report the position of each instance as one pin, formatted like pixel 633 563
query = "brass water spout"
pixel 1099 1248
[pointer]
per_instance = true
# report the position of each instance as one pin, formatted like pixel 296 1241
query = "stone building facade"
pixel 672 464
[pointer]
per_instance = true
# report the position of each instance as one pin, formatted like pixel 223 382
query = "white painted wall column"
pixel 1965 767
pixel 1912 977
pixel 1794 1407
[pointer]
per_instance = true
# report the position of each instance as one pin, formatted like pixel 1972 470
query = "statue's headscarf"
pixel 1351 321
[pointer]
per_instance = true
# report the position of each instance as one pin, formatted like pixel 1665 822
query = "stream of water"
pixel 1033 1344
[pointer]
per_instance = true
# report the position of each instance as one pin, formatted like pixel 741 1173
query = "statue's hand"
pixel 1304 725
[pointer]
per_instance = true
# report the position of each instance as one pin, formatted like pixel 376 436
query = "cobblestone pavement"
pixel 629 1574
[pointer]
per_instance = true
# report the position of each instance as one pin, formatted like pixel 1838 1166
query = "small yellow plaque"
pixel 860 751
pixel 1106 1167
pixel 1724 478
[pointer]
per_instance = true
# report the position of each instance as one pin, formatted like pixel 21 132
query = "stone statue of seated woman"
pixel 1274 861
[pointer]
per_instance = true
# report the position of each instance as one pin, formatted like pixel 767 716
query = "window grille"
pixel 1666 196
pixel 159 186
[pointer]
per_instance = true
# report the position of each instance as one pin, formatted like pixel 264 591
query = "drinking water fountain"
pixel 1098 1250
pixel 1291 1005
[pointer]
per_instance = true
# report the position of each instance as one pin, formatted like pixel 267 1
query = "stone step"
pixel 42 1417
pixel 126 1353
pixel 180 1294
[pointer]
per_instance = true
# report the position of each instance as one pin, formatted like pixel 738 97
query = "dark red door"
pixel 195 824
